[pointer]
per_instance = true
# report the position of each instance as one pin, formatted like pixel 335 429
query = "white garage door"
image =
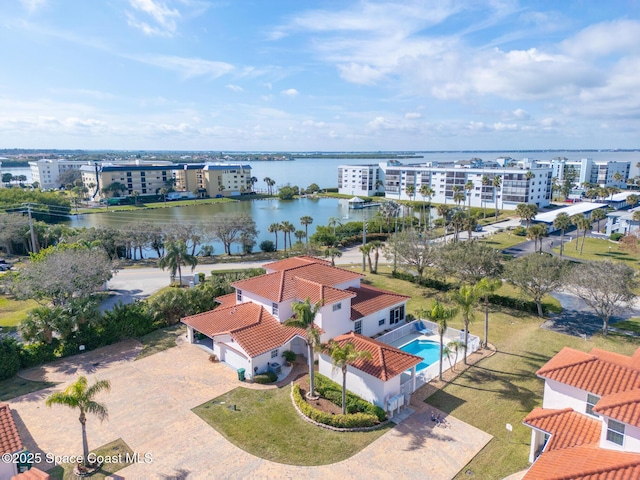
pixel 235 359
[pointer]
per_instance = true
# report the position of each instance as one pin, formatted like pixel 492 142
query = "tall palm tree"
pixel 304 315
pixel 341 357
pixel 497 183
pixel 458 222
pixel 175 256
pixel 632 200
pixel 79 395
pixel 268 181
pixel 469 186
pixel 618 177
pixel 484 288
pixel 253 181
pixel 575 220
pixel 536 233
pixel 426 192
pixel 486 181
pixel 164 191
pixel 598 215
pixel 275 228
pixel 562 222
pixel 366 250
pixel 439 315
pixel 334 222
pixel 306 220
pixel 465 298
pixel 376 246
pixel 583 224
pixel 458 197
pixel 454 346
pixel 287 229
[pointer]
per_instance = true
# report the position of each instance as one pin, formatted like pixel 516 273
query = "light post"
pixel 364 240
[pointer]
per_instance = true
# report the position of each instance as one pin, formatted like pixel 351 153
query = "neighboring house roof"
pixel 294 262
pixel 282 285
pixel 32 474
pixel 316 292
pixel 598 372
pixel 621 406
pixel 567 427
pixel 226 300
pixel 249 324
pixel 369 300
pixel 10 441
pixel 386 361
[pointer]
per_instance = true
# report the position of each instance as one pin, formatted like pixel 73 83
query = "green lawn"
pixel 632 325
pixel 12 311
pixel 117 450
pixel 159 340
pixel 269 414
pixel 16 386
pixel 503 240
pixel 599 249
pixel 153 205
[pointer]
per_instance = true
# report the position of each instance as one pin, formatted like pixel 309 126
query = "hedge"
pixel 267 377
pixel 356 420
pixel 333 392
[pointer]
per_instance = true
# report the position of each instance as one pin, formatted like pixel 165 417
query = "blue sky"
pixel 333 75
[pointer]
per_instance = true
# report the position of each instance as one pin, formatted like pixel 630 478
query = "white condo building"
pixel 588 170
pixel 47 171
pixel 364 180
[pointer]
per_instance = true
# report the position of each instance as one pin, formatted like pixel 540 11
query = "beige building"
pixel 142 177
pixel 212 179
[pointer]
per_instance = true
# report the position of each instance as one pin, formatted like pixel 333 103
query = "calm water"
pixel 427 349
pixel 264 213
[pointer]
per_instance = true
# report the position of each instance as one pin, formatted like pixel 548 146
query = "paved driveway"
pixel 150 409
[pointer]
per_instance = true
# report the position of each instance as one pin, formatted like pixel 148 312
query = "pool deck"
pixel 418 336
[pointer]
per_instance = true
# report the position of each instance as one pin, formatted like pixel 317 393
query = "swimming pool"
pixel 427 349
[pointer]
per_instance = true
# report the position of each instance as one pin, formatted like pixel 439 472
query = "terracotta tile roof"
pixel 10 441
pixel 585 463
pixel 316 292
pixel 622 406
pixel 386 361
pixel 597 372
pixel 226 300
pixel 294 262
pixel 369 300
pixel 568 428
pixel 249 324
pixel 281 285
pixel 32 474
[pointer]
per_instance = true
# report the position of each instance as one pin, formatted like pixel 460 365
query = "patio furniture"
pixel 420 327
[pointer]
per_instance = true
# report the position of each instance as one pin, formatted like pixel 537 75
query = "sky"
pixel 331 75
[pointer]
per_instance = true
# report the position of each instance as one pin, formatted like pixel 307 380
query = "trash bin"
pixel 241 374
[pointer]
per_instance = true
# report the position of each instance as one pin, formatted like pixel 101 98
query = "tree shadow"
pixel 180 474
pixel 30 443
pixel 421 428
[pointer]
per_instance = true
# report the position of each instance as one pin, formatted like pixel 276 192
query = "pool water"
pixel 427 349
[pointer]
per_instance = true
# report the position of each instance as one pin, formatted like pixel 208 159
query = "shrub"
pixel 616 236
pixel 266 377
pixel 520 231
pixel 267 246
pixel 289 356
pixel 9 358
pixel 357 420
pixel 333 392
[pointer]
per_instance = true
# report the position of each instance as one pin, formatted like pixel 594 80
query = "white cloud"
pixel 521 114
pixel 33 5
pixel 359 73
pixel 163 16
pixel 311 123
pixel 290 92
pixel 412 115
pixel 188 67
pixel 235 88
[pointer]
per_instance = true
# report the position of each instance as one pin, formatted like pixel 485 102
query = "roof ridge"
pixel 252 324
pixel 550 412
pixel 570 364
pixel 621 402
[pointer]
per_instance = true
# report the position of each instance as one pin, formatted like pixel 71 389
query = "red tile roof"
pixel 32 474
pixel 386 361
pixel 227 300
pixel 369 300
pixel 316 292
pixel 10 441
pixel 294 262
pixel 622 406
pixel 568 428
pixel 597 372
pixel 249 324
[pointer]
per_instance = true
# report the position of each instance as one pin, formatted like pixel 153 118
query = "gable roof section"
pixel 294 262
pixel 316 292
pixel 568 428
pixel 598 372
pixel 10 441
pixel 369 300
pixel 281 285
pixel 249 324
pixel 226 300
pixel 621 406
pixel 386 361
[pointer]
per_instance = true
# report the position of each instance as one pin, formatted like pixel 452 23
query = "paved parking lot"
pixel 150 409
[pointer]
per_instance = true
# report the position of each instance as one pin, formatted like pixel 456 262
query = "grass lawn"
pixel 16 386
pixel 12 312
pixel 159 340
pixel 598 249
pixel 631 325
pixel 503 240
pixel 269 414
pixel 151 205
pixel 115 450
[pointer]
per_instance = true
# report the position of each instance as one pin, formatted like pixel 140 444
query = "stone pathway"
pixel 150 409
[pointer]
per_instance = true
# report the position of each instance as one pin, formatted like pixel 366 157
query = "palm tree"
pixel 618 177
pixel 366 250
pixel 439 315
pixel 465 298
pixel 536 233
pixel 175 256
pixel 484 288
pixel 454 346
pixel 497 183
pixel 332 253
pixel 632 200
pixel 376 246
pixel 469 186
pixel 575 220
pixel 527 211
pixel 40 324
pixel 598 215
pixel 275 228
pixel 426 192
pixel 334 222
pixel 163 193
pixel 443 211
pixel 78 395
pixel 583 224
pixel 304 315
pixel 486 181
pixel 341 357
pixel 306 221
pixel 287 228
pixel 253 181
pixel 458 197
pixel 458 221
pixel 299 234
pixel 612 191
pixel 388 210
pixel 562 222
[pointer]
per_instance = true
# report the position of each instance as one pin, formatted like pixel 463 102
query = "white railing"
pixel 397 334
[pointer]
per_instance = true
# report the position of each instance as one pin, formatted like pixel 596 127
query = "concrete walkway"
pixel 150 409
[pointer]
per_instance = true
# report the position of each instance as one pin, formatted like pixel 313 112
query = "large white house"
pixel 589 423
pixel 247 330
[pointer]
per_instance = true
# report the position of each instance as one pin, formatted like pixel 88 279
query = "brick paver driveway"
pixel 150 409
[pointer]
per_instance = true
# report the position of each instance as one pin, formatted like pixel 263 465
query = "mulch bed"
pixel 321 404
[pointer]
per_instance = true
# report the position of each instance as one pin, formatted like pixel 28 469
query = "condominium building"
pixel 588 170
pixel 47 171
pixel 227 179
pixel 146 178
pixel 364 180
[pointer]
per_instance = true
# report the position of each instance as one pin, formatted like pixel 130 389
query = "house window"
pixel 275 309
pixel 274 353
pixel 615 432
pixel 358 326
pixel 337 306
pixel 239 295
pixel 381 322
pixel 396 315
pixel 591 402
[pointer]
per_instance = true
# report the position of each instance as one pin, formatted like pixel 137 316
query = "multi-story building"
pixel 142 177
pixel 47 171
pixel 526 183
pixel 588 170
pixel 227 179
pixel 364 180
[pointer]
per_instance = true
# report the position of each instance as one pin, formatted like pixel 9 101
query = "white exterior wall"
pixel 248 296
pixel 558 395
pixel 370 325
pixel 366 386
pixel 631 442
pixel 335 323
pixel 47 171
pixel 8 470
pixel 360 180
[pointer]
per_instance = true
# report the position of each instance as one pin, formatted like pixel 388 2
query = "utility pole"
pixel 33 233
pixel 364 240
